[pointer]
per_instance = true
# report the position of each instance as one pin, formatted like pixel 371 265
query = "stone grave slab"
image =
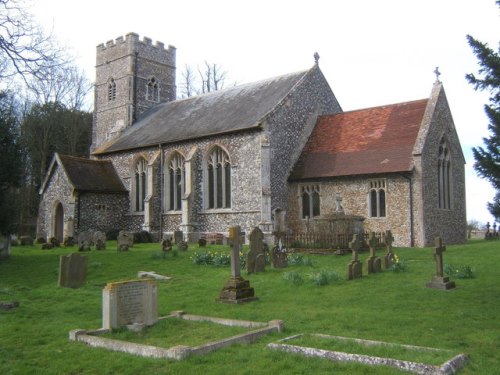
pixel 129 302
pixel 72 270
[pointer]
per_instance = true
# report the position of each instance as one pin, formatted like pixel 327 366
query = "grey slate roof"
pixel 237 108
pixel 92 175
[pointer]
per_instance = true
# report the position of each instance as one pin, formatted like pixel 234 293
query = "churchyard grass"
pixel 390 307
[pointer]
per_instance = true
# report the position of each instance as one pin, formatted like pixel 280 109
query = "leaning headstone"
pixel 389 255
pixel 374 263
pixel 236 289
pixel 354 268
pixel 129 303
pixel 256 260
pixel 85 240
pixel 100 240
pixel 125 240
pixel 72 270
pixel 440 281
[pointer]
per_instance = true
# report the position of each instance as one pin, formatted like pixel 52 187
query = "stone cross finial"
pixel 438 256
pixel 437 73
pixel 355 245
pixel 316 58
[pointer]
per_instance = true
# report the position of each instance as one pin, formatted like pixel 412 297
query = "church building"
pixel 277 153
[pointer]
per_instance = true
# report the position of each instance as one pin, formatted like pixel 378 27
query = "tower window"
pixel 153 90
pixel 111 90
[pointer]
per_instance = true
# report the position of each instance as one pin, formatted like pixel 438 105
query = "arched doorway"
pixel 59 222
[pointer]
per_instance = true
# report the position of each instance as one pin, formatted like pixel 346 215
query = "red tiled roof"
pixel 366 141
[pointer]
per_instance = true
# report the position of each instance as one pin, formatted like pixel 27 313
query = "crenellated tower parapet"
pixel 132 75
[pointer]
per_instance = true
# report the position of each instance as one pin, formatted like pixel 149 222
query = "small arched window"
pixel 111 89
pixel 376 198
pixel 444 176
pixel 218 172
pixel 153 90
pixel 175 174
pixel 140 184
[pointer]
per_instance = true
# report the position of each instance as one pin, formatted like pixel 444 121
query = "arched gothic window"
pixel 111 89
pixel 174 182
pixel 310 201
pixel 218 179
pixel 444 176
pixel 153 90
pixel 140 184
pixel 376 198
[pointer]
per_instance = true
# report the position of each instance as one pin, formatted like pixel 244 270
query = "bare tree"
pixel 25 49
pixel 212 77
pixel 188 83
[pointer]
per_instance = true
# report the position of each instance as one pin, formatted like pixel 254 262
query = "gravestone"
pixel 166 245
pixel 279 255
pixel 26 240
pixel 256 260
pixel 4 246
pixel 72 270
pixel 374 263
pixel 202 242
pixel 182 245
pixel 124 241
pixel 389 255
pixel 100 240
pixel 236 289
pixel 178 237
pixel 354 268
pixel 85 240
pixel 129 303
pixel 440 281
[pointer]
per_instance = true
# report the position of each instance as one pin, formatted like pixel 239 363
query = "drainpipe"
pixel 410 187
pixel 161 191
pixel 134 90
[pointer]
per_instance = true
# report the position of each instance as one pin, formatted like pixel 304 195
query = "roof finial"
pixel 437 73
pixel 316 57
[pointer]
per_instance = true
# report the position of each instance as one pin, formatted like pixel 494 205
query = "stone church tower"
pixel 132 76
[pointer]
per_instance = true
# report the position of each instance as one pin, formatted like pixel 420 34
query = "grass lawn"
pixel 391 307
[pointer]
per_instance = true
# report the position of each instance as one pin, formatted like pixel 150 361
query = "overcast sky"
pixel 371 52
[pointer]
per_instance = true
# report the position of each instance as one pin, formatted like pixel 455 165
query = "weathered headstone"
pixel 182 245
pixel 279 256
pixel 132 302
pixel 166 245
pixel 72 270
pixel 389 255
pixel 85 240
pixel 374 263
pixel 26 240
pixel 100 240
pixel 202 242
pixel 256 260
pixel 125 240
pixel 236 289
pixel 178 237
pixel 354 268
pixel 440 281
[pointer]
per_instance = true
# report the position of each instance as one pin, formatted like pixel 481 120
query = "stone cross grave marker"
pixel 236 289
pixel 354 268
pixel 129 303
pixel 72 270
pixel 374 263
pixel 389 255
pixel 256 261
pixel 439 281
